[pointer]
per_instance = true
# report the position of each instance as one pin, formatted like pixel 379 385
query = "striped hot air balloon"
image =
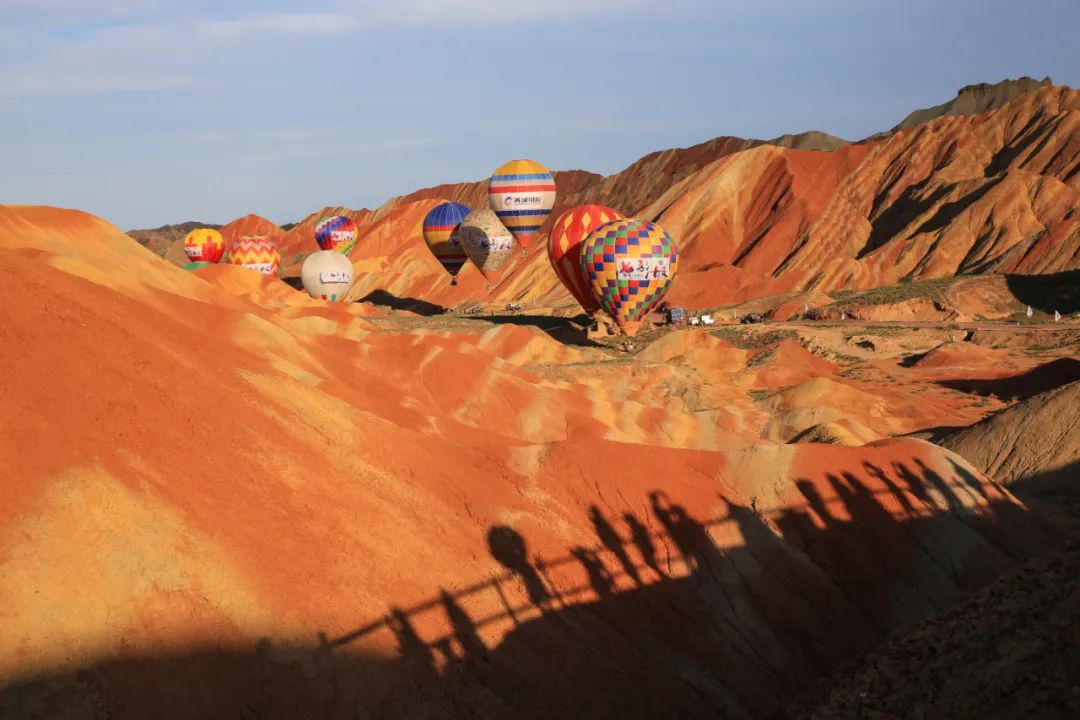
pixel 486 241
pixel 255 252
pixel 628 266
pixel 564 248
pixel 327 275
pixel 441 235
pixel 204 245
pixel 522 193
pixel 336 233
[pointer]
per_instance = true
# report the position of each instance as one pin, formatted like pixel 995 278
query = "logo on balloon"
pixel 498 244
pixel 335 276
pixel 642 269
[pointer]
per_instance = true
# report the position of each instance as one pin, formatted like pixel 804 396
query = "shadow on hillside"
pixel 294 282
pixel 1047 376
pixel 667 616
pixel 420 307
pixel 567 330
pixel 1057 482
pixel 1047 293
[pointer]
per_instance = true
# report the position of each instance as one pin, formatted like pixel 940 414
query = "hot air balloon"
pixel 204 245
pixel 486 241
pixel 336 233
pixel 255 252
pixel 327 275
pixel 441 235
pixel 628 266
pixel 564 248
pixel 522 193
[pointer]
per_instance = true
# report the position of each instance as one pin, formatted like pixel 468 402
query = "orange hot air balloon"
pixel 204 245
pixel 255 252
pixel 564 248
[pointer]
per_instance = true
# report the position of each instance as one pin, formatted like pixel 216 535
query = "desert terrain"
pixel 225 499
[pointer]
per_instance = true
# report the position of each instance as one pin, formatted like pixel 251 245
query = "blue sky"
pixel 156 111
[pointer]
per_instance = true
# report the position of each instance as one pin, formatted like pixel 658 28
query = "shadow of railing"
pixel 667 616
pixel 917 498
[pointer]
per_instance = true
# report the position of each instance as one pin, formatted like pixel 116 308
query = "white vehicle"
pixel 706 320
pixel 695 321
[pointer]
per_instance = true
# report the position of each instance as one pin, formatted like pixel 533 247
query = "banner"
pixel 335 276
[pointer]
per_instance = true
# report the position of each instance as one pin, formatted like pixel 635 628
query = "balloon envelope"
pixel 629 266
pixel 204 245
pixel 327 275
pixel 441 235
pixel 486 241
pixel 564 248
pixel 255 252
pixel 336 233
pixel 522 193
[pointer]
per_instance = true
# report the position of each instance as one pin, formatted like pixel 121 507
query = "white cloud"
pixel 493 12
pixel 61 47
pixel 283 23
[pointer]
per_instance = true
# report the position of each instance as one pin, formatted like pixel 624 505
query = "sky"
pixel 148 112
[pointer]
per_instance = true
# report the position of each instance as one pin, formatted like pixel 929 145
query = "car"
pixel 752 318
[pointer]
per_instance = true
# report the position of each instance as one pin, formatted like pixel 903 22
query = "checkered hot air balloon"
pixel 255 252
pixel 204 245
pixel 522 193
pixel 336 233
pixel 486 241
pixel 564 248
pixel 327 275
pixel 441 235
pixel 628 266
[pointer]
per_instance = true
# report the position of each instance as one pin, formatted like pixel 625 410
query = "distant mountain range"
pixel 987 182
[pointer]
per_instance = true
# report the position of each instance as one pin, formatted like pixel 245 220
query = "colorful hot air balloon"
pixel 628 266
pixel 441 235
pixel 564 248
pixel 204 245
pixel 486 241
pixel 336 233
pixel 327 275
pixel 255 252
pixel 522 193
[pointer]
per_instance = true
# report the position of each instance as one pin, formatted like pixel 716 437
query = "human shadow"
pixel 508 548
pixel 609 537
pixel 757 608
pixel 644 543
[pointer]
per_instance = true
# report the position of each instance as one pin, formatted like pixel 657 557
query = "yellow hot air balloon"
pixel 522 193
pixel 204 245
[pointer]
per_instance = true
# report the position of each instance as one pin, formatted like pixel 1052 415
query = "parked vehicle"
pixel 706 320
pixel 752 318
pixel 676 315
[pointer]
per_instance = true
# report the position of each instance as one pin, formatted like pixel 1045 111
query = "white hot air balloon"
pixel 327 275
